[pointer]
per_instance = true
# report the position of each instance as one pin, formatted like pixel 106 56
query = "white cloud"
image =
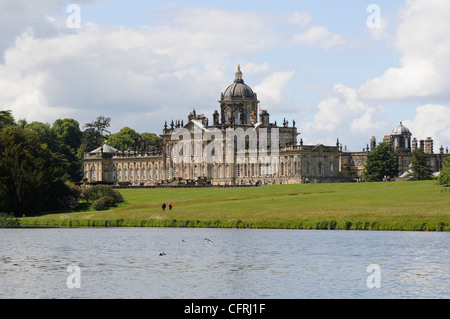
pixel 299 18
pixel 271 90
pixel 431 121
pixel 343 115
pixel 252 68
pixel 423 39
pixel 182 60
pixel 319 36
pixel 154 72
pixel 16 16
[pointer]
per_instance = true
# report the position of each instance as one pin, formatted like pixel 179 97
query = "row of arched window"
pixel 156 172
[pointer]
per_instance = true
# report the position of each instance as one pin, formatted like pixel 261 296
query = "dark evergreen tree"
pixel 420 166
pixel 380 163
pixel 31 177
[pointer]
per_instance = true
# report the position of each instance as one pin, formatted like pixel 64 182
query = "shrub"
pixel 104 202
pixel 348 225
pixel 8 221
pixel 333 225
pixel 94 193
pixel 76 190
pixel 68 202
pixel 321 225
pixel 440 226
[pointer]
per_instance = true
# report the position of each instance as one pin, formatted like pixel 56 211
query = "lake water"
pixel 232 264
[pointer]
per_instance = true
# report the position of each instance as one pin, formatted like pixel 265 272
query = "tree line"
pixel 39 161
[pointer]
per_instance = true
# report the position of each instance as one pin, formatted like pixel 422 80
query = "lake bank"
pixel 405 206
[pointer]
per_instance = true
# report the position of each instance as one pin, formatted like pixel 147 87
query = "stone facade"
pixel 210 161
pixel 240 147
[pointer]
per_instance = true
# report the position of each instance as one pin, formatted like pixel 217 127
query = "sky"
pixel 341 69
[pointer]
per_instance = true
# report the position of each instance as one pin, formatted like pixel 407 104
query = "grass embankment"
pixel 356 206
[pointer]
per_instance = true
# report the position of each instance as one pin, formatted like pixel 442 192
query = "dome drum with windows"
pixel 238 103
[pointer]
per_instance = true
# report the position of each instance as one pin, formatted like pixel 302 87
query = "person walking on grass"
pixel 170 206
pixel 163 207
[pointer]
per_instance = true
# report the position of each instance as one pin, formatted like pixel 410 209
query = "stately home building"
pixel 402 145
pixel 261 151
pixel 239 147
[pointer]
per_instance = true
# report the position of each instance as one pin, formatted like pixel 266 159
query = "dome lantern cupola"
pixel 239 104
pixel 239 90
pixel 401 139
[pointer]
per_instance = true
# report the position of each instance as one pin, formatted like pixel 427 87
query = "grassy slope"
pixel 386 206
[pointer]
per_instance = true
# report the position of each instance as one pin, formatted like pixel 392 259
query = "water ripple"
pixel 126 263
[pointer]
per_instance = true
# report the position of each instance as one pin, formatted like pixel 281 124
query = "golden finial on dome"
pixel 238 73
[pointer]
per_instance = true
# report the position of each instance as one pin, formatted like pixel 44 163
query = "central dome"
pixel 238 89
pixel 401 130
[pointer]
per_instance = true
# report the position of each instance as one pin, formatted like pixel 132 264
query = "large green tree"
pixel 444 176
pixel 94 134
pixel 69 135
pixel 128 139
pixel 45 133
pixel 150 138
pixel 68 132
pixel 31 177
pixel 420 165
pixel 380 162
pixel 125 139
pixel 6 118
pixel 64 140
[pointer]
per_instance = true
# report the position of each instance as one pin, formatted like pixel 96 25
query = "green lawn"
pixel 377 206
